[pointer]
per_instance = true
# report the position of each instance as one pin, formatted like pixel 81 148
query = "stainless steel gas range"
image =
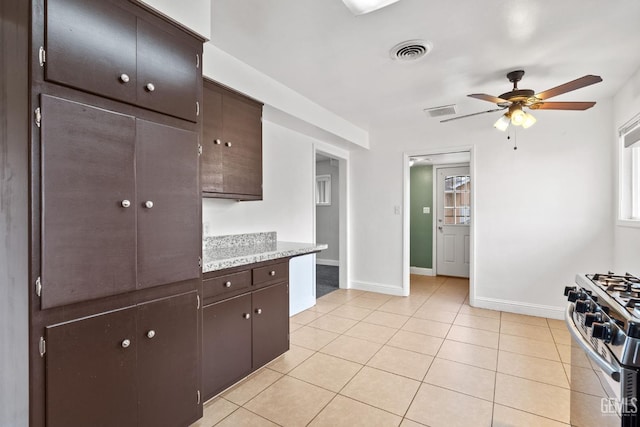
pixel 603 317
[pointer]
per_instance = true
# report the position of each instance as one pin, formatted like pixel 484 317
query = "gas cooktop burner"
pixel 625 289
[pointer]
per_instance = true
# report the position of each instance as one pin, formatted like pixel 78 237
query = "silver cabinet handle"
pixel 258 311
pixel 272 273
pixel 151 334
pixel 246 316
pixel 148 204
pixel 126 343
pixel 228 144
pixel 227 284
pixel 217 141
pixel 125 203
pixel 150 87
pixel 124 78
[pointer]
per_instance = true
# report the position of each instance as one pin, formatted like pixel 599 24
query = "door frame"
pixel 343 199
pixel 406 221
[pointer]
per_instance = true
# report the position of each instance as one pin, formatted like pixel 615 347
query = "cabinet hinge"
pixel 199 261
pixel 197 61
pixel 198 305
pixel 199 150
pixel 42 346
pixel 198 397
pixel 39 286
pixel 197 108
pixel 42 56
pixel 38 116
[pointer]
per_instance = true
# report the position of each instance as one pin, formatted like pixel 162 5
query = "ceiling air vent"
pixel 444 110
pixel 410 50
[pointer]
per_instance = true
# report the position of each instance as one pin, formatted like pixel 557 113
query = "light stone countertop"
pixel 222 252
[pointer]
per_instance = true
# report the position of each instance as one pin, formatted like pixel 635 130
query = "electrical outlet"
pixel 205 228
pixel 426 210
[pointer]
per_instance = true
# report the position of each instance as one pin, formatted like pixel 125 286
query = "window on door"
pixel 457 200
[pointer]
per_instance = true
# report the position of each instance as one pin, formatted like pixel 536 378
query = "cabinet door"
pixel 90 44
pixel 270 323
pixel 226 343
pixel 88 233
pixel 91 372
pixel 170 64
pixel 168 362
pixel 212 148
pixel 242 146
pixel 169 238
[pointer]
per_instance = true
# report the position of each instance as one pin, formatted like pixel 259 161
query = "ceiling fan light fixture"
pixel 529 120
pixel 503 122
pixel 360 7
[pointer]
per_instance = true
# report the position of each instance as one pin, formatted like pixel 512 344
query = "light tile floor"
pixel 364 359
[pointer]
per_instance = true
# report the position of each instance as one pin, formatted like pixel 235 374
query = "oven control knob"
pixel 574 296
pixel 583 306
pixel 602 331
pixel 567 289
pixel 633 330
pixel 590 318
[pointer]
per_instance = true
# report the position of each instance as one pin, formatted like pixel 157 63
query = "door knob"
pixel 148 204
pixel 150 87
pixel 125 203
pixel 124 78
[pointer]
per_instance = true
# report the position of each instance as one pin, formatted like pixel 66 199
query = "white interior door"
pixel 454 218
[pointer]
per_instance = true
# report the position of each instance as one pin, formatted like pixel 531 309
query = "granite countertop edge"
pixel 283 250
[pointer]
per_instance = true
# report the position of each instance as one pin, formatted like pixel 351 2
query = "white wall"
pixel 328 217
pixel 626 104
pixel 287 206
pixel 542 212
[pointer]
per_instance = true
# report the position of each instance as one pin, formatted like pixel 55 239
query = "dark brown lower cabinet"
pixel 137 366
pixel 242 334
pixel 227 343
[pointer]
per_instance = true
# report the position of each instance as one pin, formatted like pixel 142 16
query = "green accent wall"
pixel 421 240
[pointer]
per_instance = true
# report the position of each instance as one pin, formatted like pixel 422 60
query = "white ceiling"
pixel 341 61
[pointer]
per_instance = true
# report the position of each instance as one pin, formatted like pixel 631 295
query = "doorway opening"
pixel 438 215
pixel 330 220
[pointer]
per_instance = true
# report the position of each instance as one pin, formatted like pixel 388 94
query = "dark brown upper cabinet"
pixel 99 47
pixel 231 161
pixel 120 203
pixel 137 366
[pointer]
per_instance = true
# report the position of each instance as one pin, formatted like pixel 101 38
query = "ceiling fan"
pixel 517 99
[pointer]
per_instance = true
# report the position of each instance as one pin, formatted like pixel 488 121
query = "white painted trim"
pixel 332 262
pixel 380 288
pixel 421 271
pixel 520 308
pixel 630 223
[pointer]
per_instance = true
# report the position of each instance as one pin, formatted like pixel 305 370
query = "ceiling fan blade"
pixel 471 115
pixel 562 105
pixel 569 86
pixel 490 98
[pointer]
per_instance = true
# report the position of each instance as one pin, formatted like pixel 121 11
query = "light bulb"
pixel 502 123
pixel 517 117
pixel 529 120
pixel 360 7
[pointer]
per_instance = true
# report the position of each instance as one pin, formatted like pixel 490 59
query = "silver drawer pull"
pixel 126 343
pixel 151 334
pixel 227 284
pixel 150 87
pixel 228 144
pixel 124 78
pixel 148 204
pixel 246 316
pixel 217 141
pixel 258 311
pixel 125 203
pixel 272 273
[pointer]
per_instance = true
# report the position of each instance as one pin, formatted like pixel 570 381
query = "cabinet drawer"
pixel 271 274
pixel 224 284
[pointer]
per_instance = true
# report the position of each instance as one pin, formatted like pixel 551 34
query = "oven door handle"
pixel 610 368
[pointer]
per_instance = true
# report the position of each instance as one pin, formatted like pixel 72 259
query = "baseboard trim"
pixel 421 271
pixel 380 288
pixel 331 262
pixel 538 310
